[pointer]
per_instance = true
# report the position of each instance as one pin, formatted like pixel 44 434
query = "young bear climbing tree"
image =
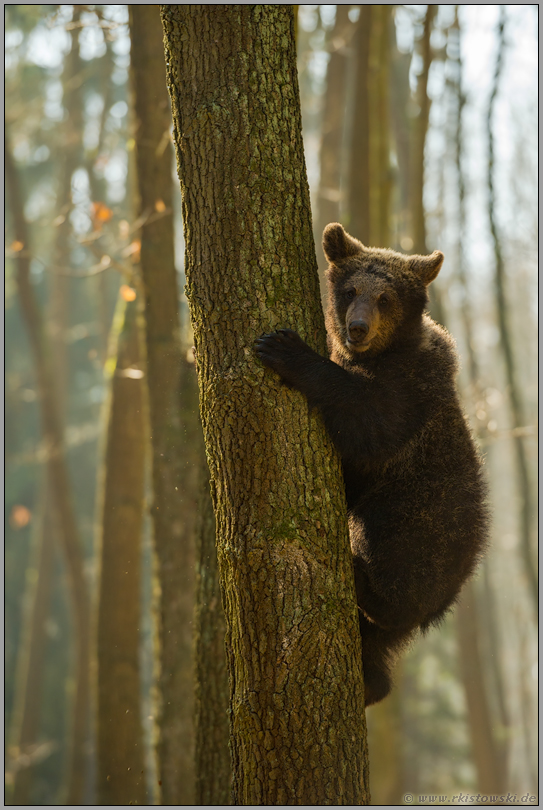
pixel 415 494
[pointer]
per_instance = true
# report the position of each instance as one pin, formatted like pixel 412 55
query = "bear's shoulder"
pixel 437 347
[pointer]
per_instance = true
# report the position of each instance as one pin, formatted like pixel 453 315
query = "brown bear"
pixel 415 493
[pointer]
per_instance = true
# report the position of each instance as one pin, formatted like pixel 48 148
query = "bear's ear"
pixel 338 245
pixel 427 267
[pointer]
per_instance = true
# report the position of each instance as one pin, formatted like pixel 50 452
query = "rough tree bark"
pixel 119 752
pixel 59 481
pixel 212 754
pixel 293 647
pixel 175 429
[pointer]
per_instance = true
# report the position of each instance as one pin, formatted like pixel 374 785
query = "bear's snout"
pixel 358 330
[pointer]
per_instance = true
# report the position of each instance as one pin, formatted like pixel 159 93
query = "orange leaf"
pixel 17 246
pixel 160 206
pixel 100 214
pixel 127 293
pixel 20 516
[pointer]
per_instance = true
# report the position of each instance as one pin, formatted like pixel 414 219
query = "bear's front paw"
pixel 282 351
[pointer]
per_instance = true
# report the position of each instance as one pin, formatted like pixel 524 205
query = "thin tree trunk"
pixel 213 768
pixel 120 754
pixel 380 173
pixel 494 651
pixel 489 761
pixel 98 192
pixel 333 119
pixel 489 752
pixel 71 154
pixel 30 669
pixel 60 486
pixel 419 133
pixel 31 654
pixel 515 397
pixel 385 746
pixel 175 429
pixel 292 640
pixel 401 129
pixel 359 187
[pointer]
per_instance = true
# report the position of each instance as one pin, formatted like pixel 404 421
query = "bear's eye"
pixel 384 301
pixel 350 294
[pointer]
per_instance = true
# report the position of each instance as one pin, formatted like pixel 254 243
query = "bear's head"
pixel 376 296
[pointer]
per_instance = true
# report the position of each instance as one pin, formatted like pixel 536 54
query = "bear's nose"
pixel 358 330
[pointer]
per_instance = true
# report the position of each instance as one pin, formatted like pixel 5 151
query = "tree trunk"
pixel 333 119
pixel 30 667
pixel 293 646
pixel 489 761
pixel 360 183
pixel 420 130
pixel 401 130
pixel 98 190
pixel 175 429
pixel 516 404
pixel 213 768
pixel 380 173
pixel 419 133
pixel 31 652
pixel 385 746
pixel 60 487
pixel 488 747
pixel 120 755
pixel 70 157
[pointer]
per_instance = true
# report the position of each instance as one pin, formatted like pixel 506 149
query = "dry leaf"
pixel 17 246
pixel 160 206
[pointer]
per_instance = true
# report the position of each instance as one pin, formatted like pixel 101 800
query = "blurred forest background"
pixel 420 129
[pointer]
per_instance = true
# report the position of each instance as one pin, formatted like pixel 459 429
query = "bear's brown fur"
pixel 415 494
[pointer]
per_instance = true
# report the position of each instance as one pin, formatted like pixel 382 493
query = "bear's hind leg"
pixel 378 654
